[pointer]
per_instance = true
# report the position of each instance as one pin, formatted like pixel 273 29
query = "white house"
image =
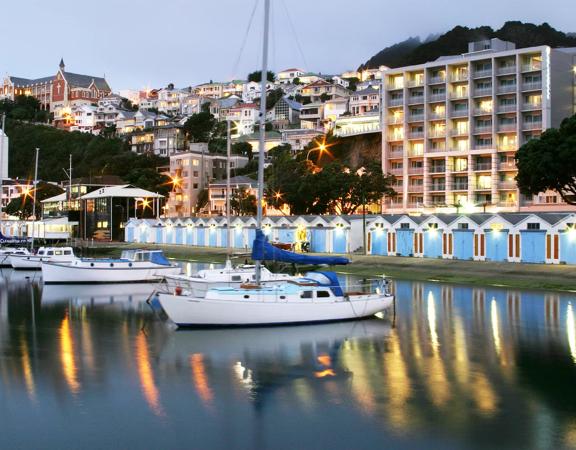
pixel 84 117
pixel 252 90
pixel 287 76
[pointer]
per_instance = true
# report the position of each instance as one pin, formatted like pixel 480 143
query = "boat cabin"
pixel 55 251
pixel 153 256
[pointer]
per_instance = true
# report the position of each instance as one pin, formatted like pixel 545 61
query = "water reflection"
pixel 463 367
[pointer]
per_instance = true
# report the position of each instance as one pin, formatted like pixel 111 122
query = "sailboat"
pixel 316 297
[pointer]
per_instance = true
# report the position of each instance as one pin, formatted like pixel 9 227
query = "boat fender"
pixel 178 290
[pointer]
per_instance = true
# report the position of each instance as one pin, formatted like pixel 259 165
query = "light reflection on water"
pixel 457 367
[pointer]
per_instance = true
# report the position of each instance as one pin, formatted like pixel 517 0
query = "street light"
pixel 360 172
pixel 322 147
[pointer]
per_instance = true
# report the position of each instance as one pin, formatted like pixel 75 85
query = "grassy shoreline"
pixel 484 273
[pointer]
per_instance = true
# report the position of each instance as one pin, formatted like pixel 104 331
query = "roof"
pixel 240 179
pixel 268 135
pixel 552 218
pixel 320 82
pixel 76 79
pixel 292 70
pixel 367 91
pixel 57 198
pixel 293 103
pixel 124 191
pixel 19 81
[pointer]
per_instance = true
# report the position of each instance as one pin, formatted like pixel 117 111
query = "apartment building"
pixel 191 172
pixel 452 126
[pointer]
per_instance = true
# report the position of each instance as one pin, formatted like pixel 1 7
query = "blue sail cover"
pixel 12 240
pixel 262 250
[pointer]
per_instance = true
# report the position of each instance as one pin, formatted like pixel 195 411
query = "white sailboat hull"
pixel 195 311
pixel 120 273
pixel 31 262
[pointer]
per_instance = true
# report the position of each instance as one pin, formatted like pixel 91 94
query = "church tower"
pixel 62 66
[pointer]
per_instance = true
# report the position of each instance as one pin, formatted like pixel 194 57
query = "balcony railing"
pixel 459 149
pixel 506 88
pixel 436 80
pixel 395 154
pixel 395 137
pixel 396 171
pixel 459 76
pixel 394 86
pixel 531 106
pixel 506 165
pixel 459 132
pixel 537 85
pixel 531 67
pixel 415 153
pixel 483 73
pixel 481 92
pixel 437 169
pixel 394 120
pixel 437 187
pixel 510 107
pixel 415 117
pixel 415 188
pixel 433 133
pixel 396 102
pixel 483 146
pixel 483 166
pixel 482 187
pixel 458 95
pixel 436 116
pixel 460 187
pixel 507 185
pixel 479 129
pixel 459 113
pixel 506 127
pixel 436 149
pixel 415 83
pixel 506 70
pixel 437 97
pixel 415 99
pixel 415 134
pixel 532 125
pixel 482 112
pixel 415 170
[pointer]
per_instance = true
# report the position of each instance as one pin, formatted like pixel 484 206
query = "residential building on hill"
pixel 453 125
pixel 320 89
pixel 365 101
pixel 287 76
pixel 285 113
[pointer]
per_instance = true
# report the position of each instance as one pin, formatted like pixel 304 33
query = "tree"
pixel 202 201
pixel 199 126
pixel 257 76
pixel 273 97
pixel 22 207
pixel 324 97
pixel 242 203
pixel 549 162
pixel 296 81
pixel 353 82
pixel 244 149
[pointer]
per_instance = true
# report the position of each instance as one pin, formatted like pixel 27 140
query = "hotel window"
pixel 507 81
pixel 461 164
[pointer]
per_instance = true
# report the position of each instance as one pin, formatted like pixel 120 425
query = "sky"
pixel 150 43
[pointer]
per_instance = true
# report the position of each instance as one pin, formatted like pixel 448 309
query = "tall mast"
pixel 261 152
pixel 70 183
pixel 2 166
pixel 34 196
pixel 228 155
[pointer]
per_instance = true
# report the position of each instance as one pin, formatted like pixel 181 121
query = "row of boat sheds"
pixel 514 237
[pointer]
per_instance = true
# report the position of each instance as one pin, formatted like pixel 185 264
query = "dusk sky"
pixel 150 43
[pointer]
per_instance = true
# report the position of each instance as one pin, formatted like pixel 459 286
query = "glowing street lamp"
pixel 322 147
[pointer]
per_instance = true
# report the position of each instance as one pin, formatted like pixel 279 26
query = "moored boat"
pixel 62 255
pixel 133 266
pixel 6 252
pixel 318 297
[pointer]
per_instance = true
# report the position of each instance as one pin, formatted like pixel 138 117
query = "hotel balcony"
pixel 458 95
pixel 482 187
pixel 459 113
pixel 507 165
pixel 507 185
pixel 415 188
pixel 531 106
pixel 436 116
pixel 437 169
pixel 396 171
pixel 508 148
pixel 483 167
pixel 460 186
pixel 459 149
pixel 415 134
pixel 395 154
pixel 437 80
pixel 415 83
pixel 483 73
pixel 416 118
pixel 459 132
pixel 532 67
pixel 394 86
pixel 483 146
pixel 396 102
pixel 434 133
pixel 395 120
pixel 457 77
pixel 536 86
pixel 506 88
pixel 437 98
pixel 506 70
pixel 415 99
pixel 507 108
pixel 483 92
pixel 436 150
pixel 395 137
pixel 440 187
pixel 532 125
pixel 483 129
pixel 482 112
pixel 506 127
pixel 415 170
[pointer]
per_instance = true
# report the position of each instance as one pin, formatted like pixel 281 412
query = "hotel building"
pixel 451 127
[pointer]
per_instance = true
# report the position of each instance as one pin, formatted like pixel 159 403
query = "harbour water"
pixel 457 367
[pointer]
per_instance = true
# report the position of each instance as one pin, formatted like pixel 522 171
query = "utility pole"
pixel 34 196
pixel 2 166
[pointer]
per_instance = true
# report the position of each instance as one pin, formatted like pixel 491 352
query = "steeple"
pixel 62 66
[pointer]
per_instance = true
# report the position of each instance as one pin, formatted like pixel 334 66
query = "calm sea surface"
pixel 94 367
